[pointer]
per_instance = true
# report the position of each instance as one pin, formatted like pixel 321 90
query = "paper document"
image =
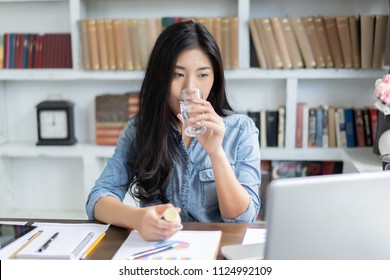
pixel 196 245
pixel 71 242
pixel 255 235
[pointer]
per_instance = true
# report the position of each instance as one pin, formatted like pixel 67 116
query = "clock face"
pixel 53 124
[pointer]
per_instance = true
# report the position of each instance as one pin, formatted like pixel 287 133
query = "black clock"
pixel 56 123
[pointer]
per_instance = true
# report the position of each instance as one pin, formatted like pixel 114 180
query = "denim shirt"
pixel 191 185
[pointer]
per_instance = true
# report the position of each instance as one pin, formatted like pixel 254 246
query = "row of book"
pixel 125 44
pixel 327 126
pixel 271 125
pixel 112 111
pixel 276 169
pixel 319 42
pixel 30 50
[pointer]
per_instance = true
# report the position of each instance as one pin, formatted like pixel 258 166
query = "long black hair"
pixel 155 148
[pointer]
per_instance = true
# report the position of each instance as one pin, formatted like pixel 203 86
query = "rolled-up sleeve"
pixel 247 169
pixel 117 174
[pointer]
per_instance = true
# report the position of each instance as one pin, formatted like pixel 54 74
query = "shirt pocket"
pixel 208 188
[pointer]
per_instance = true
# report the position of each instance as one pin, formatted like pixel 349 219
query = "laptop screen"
pixel 343 216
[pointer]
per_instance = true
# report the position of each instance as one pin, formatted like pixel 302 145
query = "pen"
pixel 93 246
pixel 84 242
pixel 153 251
pixel 44 246
pixel 31 239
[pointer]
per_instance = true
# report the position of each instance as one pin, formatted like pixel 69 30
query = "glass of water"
pixel 186 104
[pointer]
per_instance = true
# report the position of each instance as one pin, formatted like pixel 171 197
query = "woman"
pixel 212 178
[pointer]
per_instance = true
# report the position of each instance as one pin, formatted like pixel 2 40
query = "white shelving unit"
pixel 54 181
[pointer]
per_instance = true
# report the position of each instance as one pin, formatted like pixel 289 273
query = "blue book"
pixel 319 126
pixel 350 127
pixel 11 50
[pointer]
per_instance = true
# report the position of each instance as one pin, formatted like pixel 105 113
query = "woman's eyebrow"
pixel 198 69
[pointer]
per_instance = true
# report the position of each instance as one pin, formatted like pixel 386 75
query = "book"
pixel 225 32
pixel 325 126
pixel 367 25
pixel 292 45
pixel 263 130
pixel 272 47
pixel 312 36
pixel 281 42
pixel 345 40
pixel 142 42
pixel 367 127
pixel 303 42
pixel 323 41
pixel 299 120
pixel 263 43
pixel 334 41
pixel 233 29
pixel 118 31
pixel 350 127
pixel 255 116
pixel 312 127
pixel 305 125
pixel 102 42
pixel 110 41
pixel 354 26
pixel 332 127
pixel 272 120
pixel 93 44
pixel 281 126
pixel 319 126
pixel 374 121
pixel 359 127
pixel 1 51
pixel 380 34
pixel 111 115
pixel 217 32
pixel 332 167
pixel 133 44
pixel 71 242
pixel 341 137
pixel 254 33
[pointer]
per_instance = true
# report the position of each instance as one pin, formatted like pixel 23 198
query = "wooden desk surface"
pixel 231 234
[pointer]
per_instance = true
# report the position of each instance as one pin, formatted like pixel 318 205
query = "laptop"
pixel 328 217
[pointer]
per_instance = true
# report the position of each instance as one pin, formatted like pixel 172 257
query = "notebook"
pixel 341 216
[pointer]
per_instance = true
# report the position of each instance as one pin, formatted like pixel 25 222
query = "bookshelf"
pixel 54 181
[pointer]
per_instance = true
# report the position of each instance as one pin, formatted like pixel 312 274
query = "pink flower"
pixel 382 89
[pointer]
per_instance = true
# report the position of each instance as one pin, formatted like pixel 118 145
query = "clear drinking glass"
pixel 186 97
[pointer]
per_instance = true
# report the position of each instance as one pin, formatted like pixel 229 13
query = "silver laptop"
pixel 343 216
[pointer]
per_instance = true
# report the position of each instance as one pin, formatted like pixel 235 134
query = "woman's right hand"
pixel 152 227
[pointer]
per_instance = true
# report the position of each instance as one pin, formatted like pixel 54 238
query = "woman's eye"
pixel 178 75
pixel 203 75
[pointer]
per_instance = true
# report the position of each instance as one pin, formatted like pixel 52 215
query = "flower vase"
pixel 382 126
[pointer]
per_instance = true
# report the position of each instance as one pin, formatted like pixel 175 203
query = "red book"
pixel 298 133
pixel 374 121
pixel 359 128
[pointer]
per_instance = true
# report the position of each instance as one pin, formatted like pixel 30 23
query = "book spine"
pixel 345 40
pixel 367 23
pixel 312 36
pixel 291 41
pixel 281 42
pixel 334 41
pixel 303 42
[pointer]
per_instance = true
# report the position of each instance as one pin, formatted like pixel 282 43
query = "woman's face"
pixel 193 69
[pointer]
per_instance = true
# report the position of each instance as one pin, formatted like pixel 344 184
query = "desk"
pixel 231 234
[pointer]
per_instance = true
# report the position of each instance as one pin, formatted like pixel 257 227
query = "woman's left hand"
pixel 212 139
